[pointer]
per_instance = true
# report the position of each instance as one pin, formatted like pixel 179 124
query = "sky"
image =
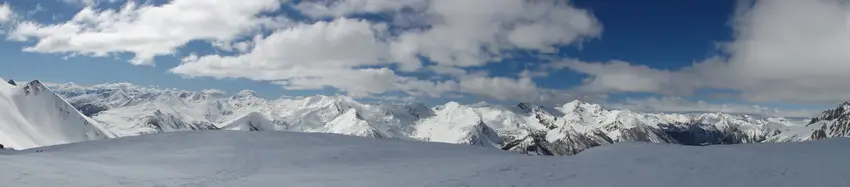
pixel 767 57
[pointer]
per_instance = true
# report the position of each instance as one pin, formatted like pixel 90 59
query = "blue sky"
pixel 661 47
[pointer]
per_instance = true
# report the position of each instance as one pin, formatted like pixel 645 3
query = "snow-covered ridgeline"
pixel 562 130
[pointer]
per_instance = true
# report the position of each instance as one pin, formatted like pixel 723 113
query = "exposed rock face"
pixel 831 123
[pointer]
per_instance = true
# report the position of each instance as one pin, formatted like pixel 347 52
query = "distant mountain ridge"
pixel 526 128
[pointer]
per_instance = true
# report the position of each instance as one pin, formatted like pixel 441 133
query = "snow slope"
pixel 235 158
pixel 250 122
pixel 352 123
pixel 458 124
pixel 31 115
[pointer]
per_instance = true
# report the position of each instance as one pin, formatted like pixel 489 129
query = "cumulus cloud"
pixel 6 13
pixel 461 35
pixel 352 54
pixel 783 51
pixel 680 105
pixel 146 30
pixel 307 56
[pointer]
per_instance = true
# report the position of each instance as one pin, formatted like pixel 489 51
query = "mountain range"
pixel 38 114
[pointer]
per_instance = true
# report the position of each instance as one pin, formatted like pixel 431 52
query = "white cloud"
pixel 520 89
pixel 351 54
pixel 680 105
pixel 460 34
pixel 303 50
pixel 341 8
pixel 146 30
pixel 783 51
pixel 6 13
pixel 328 54
pixel 314 56
pixel 463 34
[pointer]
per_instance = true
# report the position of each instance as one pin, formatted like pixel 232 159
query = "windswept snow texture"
pixel 31 115
pixel 236 158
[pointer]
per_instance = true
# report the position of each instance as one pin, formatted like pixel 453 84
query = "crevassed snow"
pixel 31 115
pixel 233 158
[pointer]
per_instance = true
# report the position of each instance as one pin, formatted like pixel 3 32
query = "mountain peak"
pixel 452 104
pixel 845 105
pixel 842 110
pixel 34 87
pixel 531 108
pixel 35 82
pixel 578 105
pixel 244 94
pixel 526 107
pixel 12 82
pixel 351 123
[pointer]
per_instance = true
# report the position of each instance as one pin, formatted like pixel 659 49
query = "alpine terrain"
pixel 164 137
pixel 125 109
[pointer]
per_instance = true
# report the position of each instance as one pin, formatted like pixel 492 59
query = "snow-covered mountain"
pixel 831 123
pixel 250 122
pixel 352 123
pixel 459 124
pixel 563 130
pixel 31 115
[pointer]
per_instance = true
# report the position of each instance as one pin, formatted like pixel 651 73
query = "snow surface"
pixel 31 116
pixel 236 158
